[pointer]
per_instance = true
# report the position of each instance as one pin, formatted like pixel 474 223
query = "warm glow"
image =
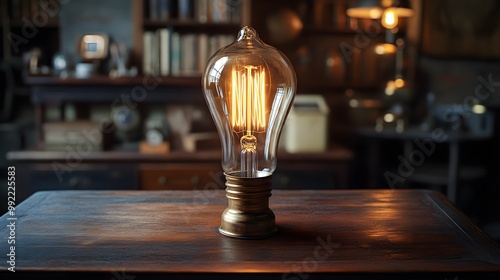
pixel 399 83
pixel 478 109
pixel 374 13
pixel 365 12
pixel 389 117
pixel 390 88
pixel 390 18
pixel 248 99
pixel 385 48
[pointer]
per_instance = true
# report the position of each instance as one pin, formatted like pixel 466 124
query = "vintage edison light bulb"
pixel 249 87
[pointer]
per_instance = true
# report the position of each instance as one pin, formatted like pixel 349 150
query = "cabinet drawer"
pixel 181 177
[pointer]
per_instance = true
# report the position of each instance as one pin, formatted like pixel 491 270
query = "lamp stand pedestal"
pixel 247 215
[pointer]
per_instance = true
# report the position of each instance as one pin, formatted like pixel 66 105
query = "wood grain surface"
pixel 321 232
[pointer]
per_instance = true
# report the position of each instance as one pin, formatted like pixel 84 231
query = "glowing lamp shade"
pixel 389 11
pixel 390 18
pixel 249 87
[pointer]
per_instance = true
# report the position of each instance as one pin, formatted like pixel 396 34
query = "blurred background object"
pixel 284 26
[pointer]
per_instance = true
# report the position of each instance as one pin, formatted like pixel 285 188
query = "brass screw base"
pixel 247 215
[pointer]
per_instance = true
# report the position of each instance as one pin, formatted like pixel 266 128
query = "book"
pixel 213 45
pixel 201 11
pixel 175 54
pixel 154 6
pixel 155 53
pixel 189 66
pixel 147 41
pixel 164 9
pixel 234 11
pixel 223 41
pixel 164 51
pixel 59 136
pixel 185 9
pixel 203 52
pixel 217 11
pixel 217 42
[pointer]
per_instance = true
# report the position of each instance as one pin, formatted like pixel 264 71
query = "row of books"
pixel 169 53
pixel 217 11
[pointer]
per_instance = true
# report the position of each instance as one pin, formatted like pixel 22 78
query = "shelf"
pixel 335 153
pixel 412 133
pixel 333 30
pixel 341 88
pixel 312 30
pixel 180 81
pixel 200 26
pixel 19 24
pixel 99 89
pixel 194 81
pixel 114 156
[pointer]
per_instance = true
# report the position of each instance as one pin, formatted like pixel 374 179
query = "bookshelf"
pixel 180 36
pixel 175 38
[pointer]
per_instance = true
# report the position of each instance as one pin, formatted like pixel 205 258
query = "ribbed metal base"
pixel 247 215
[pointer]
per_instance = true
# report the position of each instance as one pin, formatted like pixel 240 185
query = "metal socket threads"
pixel 247 215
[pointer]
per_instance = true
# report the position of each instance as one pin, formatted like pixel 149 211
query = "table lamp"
pixel 389 11
pixel 249 87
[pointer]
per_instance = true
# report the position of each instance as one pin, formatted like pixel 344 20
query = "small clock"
pixel 155 133
pixel 154 137
pixel 94 46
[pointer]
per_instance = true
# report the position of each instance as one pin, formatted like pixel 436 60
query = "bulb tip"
pixel 248 33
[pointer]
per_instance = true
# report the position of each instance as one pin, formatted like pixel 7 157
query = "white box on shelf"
pixel 306 128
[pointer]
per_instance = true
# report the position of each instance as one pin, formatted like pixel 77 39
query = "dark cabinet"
pixel 34 177
pixel 113 170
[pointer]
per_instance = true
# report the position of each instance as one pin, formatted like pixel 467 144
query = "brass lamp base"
pixel 247 215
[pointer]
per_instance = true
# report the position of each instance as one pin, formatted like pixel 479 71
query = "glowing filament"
pixel 248 99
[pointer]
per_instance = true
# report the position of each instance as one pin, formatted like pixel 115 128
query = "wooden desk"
pixel 394 234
